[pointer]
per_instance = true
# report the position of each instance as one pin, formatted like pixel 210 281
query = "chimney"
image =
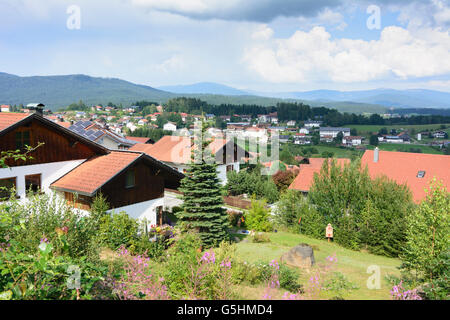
pixel 37 108
pixel 376 155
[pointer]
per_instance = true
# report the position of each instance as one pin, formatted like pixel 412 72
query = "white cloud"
pixel 173 64
pixel 263 33
pixel 314 56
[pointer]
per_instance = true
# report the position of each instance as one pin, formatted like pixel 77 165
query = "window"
pixel 421 174
pixel 5 187
pixel 22 139
pixel 33 183
pixel 130 179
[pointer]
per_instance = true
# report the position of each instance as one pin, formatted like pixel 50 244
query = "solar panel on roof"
pixel 98 134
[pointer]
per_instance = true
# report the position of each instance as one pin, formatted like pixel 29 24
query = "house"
pixel 284 138
pixel 175 151
pixel 391 139
pixel 291 123
pixel 5 108
pixel 305 177
pixel 304 130
pixel 142 122
pixel 333 132
pixel 312 124
pixel 413 169
pixel 77 169
pixel 268 118
pixel 101 135
pixel 131 126
pixel 302 139
pixel 170 126
pixel 440 135
pixel 209 116
pixel 255 133
pixel 352 141
pixel 246 117
pixel 140 139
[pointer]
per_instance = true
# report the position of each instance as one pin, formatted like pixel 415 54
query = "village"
pixel 120 161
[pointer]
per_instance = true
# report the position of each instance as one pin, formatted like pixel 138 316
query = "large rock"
pixel 301 256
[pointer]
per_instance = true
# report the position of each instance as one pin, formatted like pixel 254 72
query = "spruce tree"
pixel 203 210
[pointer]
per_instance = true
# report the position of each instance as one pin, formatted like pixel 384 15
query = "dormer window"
pixel 421 174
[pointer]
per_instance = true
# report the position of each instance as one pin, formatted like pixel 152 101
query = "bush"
pixel 252 183
pixel 118 229
pixel 426 254
pixel 292 207
pixel 257 218
pixel 260 238
pixel 47 216
pixel 283 179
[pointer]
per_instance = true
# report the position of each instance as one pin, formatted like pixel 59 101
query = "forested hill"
pixel 60 91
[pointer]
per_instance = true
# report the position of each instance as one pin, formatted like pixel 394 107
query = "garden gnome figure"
pixel 329 232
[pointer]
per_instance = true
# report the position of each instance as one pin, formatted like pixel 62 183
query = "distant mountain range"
pixel 414 98
pixel 60 91
pixel 205 88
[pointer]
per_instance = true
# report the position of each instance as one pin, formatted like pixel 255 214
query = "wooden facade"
pixel 58 146
pixel 148 185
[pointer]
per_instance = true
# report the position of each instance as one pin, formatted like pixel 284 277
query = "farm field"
pixel 352 264
pixel 367 130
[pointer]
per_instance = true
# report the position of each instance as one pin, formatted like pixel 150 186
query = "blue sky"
pixel 264 45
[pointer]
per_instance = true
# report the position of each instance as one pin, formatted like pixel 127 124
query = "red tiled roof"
pixel 403 168
pixel 305 177
pixel 175 149
pixel 138 139
pixel 7 119
pixel 95 172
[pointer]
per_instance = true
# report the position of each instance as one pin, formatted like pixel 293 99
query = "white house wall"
pixel 50 172
pixel 142 210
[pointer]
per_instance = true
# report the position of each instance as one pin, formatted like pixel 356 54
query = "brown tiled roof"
pixel 305 177
pixel 403 168
pixel 7 119
pixel 92 174
pixel 138 139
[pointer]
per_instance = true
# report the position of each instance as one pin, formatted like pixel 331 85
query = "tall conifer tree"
pixel 202 206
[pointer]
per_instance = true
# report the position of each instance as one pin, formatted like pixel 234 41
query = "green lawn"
pixel 405 148
pixel 352 264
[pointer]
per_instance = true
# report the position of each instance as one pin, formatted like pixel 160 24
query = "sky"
pixel 261 45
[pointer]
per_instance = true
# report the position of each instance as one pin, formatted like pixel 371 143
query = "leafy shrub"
pixel 118 229
pixel 257 217
pixel 47 216
pixel 252 183
pixel 283 179
pixel 191 274
pixel 338 284
pixel 293 208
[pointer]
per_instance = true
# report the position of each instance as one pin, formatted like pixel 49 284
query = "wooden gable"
pixel 59 144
